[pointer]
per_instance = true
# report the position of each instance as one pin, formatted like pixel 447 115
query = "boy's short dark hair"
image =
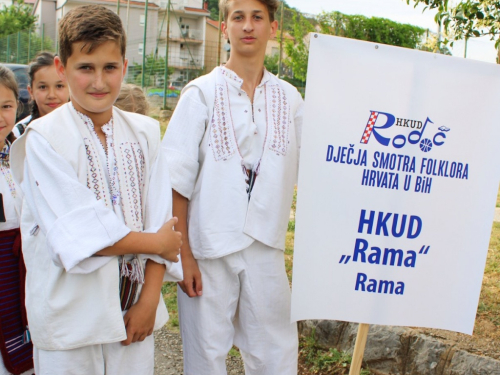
pixel 93 25
pixel 272 7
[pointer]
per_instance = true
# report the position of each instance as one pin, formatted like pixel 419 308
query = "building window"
pixel 142 20
pixel 141 48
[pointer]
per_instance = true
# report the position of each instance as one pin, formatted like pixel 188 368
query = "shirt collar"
pixel 236 81
pixel 87 120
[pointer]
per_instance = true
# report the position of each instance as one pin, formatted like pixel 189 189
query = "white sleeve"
pixel 182 140
pixel 159 211
pixel 75 223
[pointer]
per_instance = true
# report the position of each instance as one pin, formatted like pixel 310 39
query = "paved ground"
pixel 168 355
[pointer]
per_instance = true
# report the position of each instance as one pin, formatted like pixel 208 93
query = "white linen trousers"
pixel 245 301
pixel 102 359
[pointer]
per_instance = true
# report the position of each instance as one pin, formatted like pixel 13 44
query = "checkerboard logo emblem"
pixel 379 121
pixel 369 127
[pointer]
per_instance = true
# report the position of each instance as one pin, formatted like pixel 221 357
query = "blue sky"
pixel 397 10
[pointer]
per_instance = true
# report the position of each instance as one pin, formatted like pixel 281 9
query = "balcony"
pixel 186 36
pixel 183 7
pixel 185 63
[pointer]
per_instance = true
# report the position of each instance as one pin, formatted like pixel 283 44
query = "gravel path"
pixel 168 355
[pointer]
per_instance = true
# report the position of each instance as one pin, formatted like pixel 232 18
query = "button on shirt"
pixel 107 159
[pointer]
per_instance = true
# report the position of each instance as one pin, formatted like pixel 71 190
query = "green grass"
pixel 321 361
pixel 489 302
pixel 169 292
pixel 290 238
pixel 163 127
pixel 234 352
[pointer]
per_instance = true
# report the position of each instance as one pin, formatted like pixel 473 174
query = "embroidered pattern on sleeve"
pixel 280 115
pixel 221 139
pixel 94 179
pixel 134 172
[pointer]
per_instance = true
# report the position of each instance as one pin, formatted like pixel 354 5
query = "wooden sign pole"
pixel 359 349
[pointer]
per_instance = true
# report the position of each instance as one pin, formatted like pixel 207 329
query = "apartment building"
pixel 185 38
pixel 132 14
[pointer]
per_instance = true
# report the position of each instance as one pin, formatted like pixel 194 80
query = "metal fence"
pixel 21 47
pixel 189 56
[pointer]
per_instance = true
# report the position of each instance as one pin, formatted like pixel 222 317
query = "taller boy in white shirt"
pixel 96 240
pixel 233 149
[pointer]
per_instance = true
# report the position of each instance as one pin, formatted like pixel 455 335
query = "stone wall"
pixel 400 351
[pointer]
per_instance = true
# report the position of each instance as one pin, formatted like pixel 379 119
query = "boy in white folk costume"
pixel 233 149
pixel 97 243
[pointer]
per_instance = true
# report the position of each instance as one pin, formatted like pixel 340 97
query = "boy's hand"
pixel 139 321
pixel 169 241
pixel 192 284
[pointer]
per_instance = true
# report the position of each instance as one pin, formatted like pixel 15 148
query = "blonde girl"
pixel 132 99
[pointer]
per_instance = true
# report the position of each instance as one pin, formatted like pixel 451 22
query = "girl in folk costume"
pixel 46 89
pixel 15 345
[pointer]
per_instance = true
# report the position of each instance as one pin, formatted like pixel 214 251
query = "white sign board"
pixel 399 172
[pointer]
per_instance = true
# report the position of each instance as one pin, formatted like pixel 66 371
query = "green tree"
pixel 213 7
pixel 431 45
pixel 154 71
pixel 16 17
pixel 22 46
pixel 468 19
pixel 378 30
pixel 288 17
pixel 374 29
pixel 271 63
pixel 297 50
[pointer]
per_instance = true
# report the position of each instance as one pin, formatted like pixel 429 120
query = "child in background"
pixel 132 99
pixel 15 346
pixel 46 89
pixel 95 216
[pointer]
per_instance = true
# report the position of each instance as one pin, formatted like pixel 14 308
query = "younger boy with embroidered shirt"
pixel 233 148
pixel 96 239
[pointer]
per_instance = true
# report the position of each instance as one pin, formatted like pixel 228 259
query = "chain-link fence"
pixel 187 60
pixel 189 56
pixel 21 47
pixel 162 62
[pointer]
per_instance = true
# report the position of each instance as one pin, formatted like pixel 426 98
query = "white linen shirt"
pixel 72 297
pixel 249 120
pixel 227 221
pixel 63 204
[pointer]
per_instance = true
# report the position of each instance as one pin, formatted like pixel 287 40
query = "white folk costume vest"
pixel 73 310
pixel 227 216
